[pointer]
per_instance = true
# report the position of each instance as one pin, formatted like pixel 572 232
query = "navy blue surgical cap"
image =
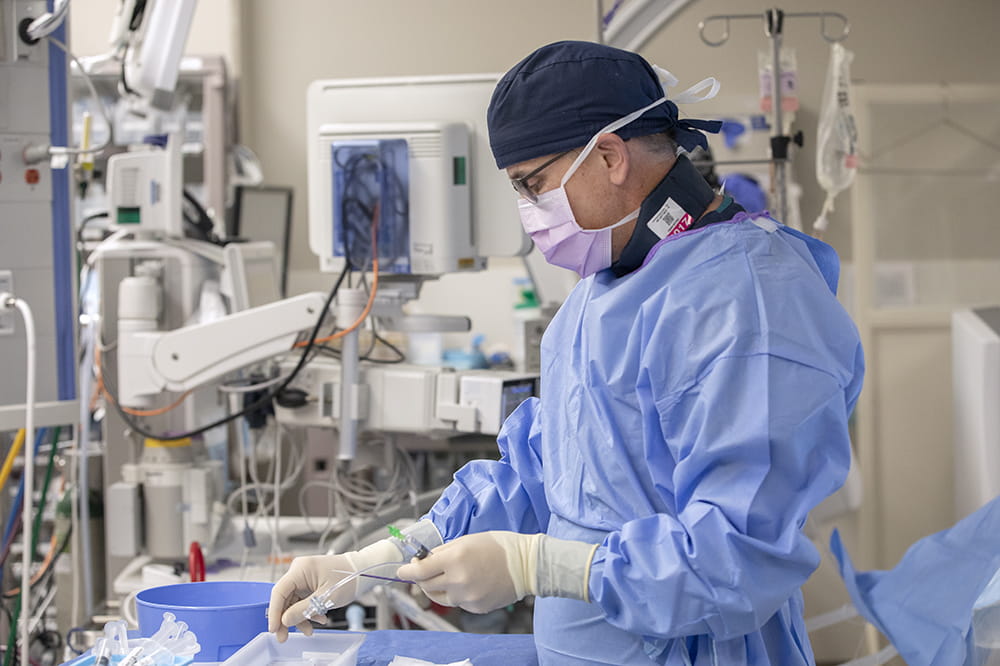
pixel 561 95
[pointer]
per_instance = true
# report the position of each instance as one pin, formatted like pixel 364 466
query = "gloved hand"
pixel 489 570
pixel 310 575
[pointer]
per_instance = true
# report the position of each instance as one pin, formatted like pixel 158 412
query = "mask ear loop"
pixel 611 127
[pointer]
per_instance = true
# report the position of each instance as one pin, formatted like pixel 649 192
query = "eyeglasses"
pixel 521 184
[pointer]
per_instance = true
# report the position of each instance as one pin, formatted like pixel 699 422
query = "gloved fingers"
pixel 305 627
pixel 476 604
pixel 281 634
pixel 296 614
pixel 284 593
pixel 425 569
pixel 439 597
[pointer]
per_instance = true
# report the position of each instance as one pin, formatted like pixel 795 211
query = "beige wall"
pixel 214 29
pixel 278 47
pixel 902 41
pixel 288 44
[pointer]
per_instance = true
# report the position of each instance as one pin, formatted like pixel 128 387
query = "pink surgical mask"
pixel 550 221
pixel 563 242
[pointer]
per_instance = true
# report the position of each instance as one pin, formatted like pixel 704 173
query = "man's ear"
pixel 614 157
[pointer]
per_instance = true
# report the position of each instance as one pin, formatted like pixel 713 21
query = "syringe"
pixel 411 547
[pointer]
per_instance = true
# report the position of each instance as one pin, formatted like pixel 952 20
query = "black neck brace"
pixel 684 188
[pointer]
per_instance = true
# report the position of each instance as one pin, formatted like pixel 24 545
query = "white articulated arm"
pixel 183 359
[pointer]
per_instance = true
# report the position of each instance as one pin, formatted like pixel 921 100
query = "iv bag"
pixel 837 135
pixel 788 84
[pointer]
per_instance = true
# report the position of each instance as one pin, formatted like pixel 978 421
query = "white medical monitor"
pixel 975 336
pixel 460 209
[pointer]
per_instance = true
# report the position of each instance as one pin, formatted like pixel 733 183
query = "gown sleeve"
pixel 505 494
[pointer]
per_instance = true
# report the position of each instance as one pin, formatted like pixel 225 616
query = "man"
pixel 696 388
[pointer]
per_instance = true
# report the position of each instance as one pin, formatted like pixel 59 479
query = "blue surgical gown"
pixel 691 414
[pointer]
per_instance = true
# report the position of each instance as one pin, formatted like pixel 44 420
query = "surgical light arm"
pixel 152 72
pixel 151 361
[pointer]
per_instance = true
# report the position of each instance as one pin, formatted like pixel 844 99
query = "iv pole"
pixel 774 20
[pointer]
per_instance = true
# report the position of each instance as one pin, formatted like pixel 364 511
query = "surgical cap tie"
pixel 690 96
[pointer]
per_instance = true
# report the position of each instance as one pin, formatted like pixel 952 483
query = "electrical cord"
pixel 263 488
pixel 350 493
pixel 371 297
pixel 138 13
pixel 84 222
pixel 135 22
pixel 123 86
pixel 9 301
pixel 53 447
pixel 364 175
pixel 203 223
pixel 334 352
pixel 56 548
pixel 400 356
pixel 103 390
pixel 8 464
pixel 375 338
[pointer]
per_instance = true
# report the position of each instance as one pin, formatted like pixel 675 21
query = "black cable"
pixel 137 13
pixel 93 216
pixel 135 21
pixel 121 78
pixel 270 395
pixel 84 222
pixel 50 640
pixel 356 203
pixel 69 642
pixel 394 348
pixel 377 338
pixel 203 224
pixel 333 352
pixel 362 192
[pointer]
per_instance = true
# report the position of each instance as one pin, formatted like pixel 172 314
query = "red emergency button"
pixel 31 176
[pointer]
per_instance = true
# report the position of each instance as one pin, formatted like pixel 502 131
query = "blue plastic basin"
pixel 224 615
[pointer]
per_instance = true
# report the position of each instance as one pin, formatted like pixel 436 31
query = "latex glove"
pixel 489 570
pixel 309 575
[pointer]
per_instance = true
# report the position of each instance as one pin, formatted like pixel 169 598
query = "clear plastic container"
pixel 985 637
pixel 323 648
pixel 983 646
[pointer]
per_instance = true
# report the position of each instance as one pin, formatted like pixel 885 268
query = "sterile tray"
pixel 327 648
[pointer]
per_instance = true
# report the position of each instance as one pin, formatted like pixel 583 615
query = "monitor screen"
pixel 264 213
